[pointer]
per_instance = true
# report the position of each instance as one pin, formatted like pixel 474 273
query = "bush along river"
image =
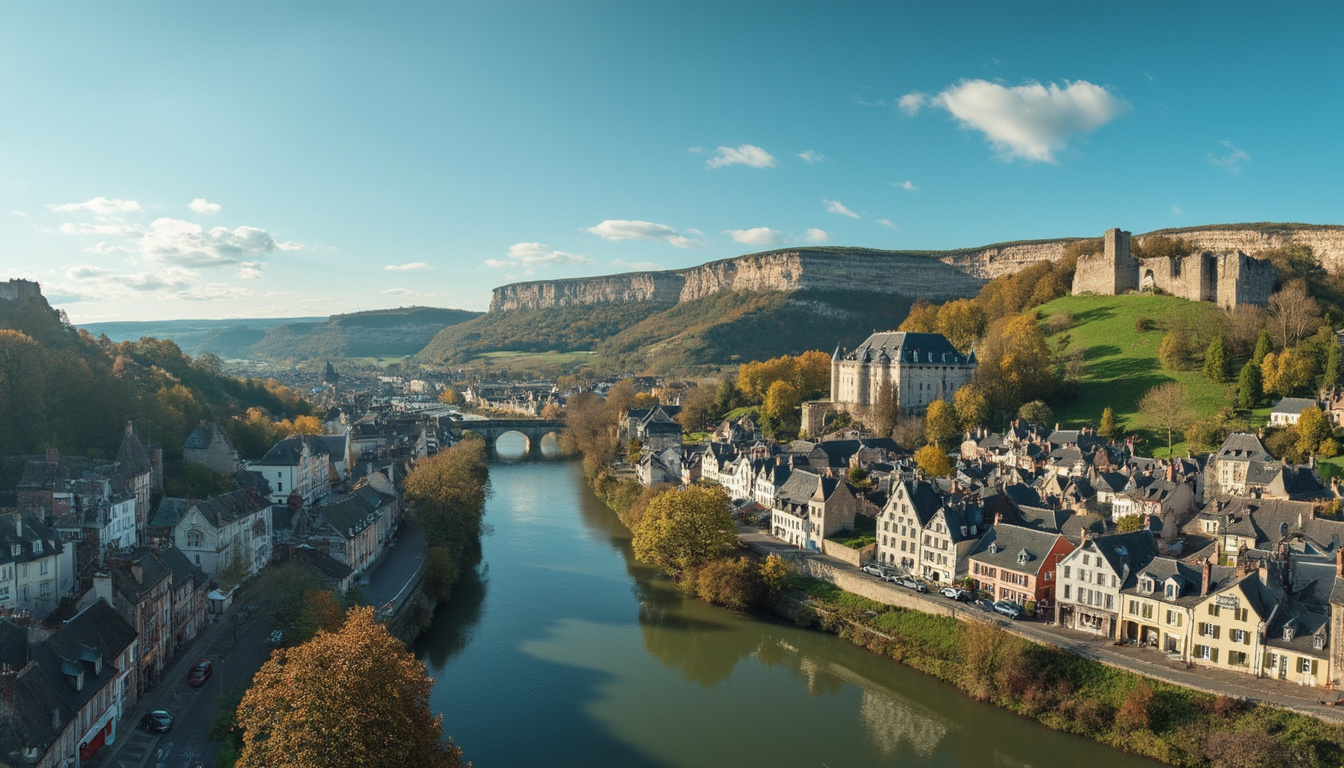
pixel 561 649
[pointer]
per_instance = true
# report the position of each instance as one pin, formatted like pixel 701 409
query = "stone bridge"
pixel 491 430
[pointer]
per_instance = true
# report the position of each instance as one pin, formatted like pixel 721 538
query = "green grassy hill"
pixel 378 333
pixel 1121 363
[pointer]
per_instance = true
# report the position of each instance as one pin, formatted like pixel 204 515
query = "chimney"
pixel 53 455
pixel 1339 563
pixel 1208 573
pixel 1171 472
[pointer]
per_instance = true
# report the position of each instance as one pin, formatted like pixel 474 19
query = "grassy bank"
pixel 1068 693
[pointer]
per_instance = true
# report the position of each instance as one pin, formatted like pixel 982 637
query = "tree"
pixel 1295 313
pixel 1035 412
pixel 1168 407
pixel 774 574
pixel 1160 245
pixel 1286 372
pixel 1177 351
pixel 933 461
pixel 353 698
pixel 589 431
pixel 1334 366
pixel 727 397
pixel 450 396
pixel 923 318
pixel 1129 524
pixel 1015 364
pixel 685 529
pixel 781 400
pixel 448 492
pixel 1313 429
pixel 1249 386
pixel 941 427
pixel 962 322
pixel 971 405
pixel 885 411
pixel 1264 344
pixel 1217 366
pixel 1109 429
pixel 697 409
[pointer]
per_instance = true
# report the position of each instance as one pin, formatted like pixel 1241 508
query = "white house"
pixel 299 463
pixel 1087 596
pixel 234 527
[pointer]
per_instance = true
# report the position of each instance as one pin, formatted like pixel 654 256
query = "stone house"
pixel 901 523
pixel 347 530
pixel 1167 504
pixel 66 697
pixel 1015 563
pixel 210 446
pixel 214 534
pixel 1230 625
pixel 189 590
pixel 140 589
pixel 948 537
pixel 1232 462
pixel 810 508
pixel 921 368
pixel 36 568
pixel 300 465
pixel 657 469
pixel 1092 577
pixel 1157 610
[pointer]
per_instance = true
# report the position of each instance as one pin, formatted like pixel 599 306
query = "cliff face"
pixel 932 275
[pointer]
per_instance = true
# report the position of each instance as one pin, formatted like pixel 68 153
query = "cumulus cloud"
pixel 907 185
pixel 108 226
pixel 187 244
pixel 100 206
pixel 626 229
pixel 912 102
pixel 1231 159
pixel 98 284
pixel 1030 121
pixel 811 156
pixel 534 254
pixel 201 205
pixel 815 235
pixel 742 154
pixel 756 236
pixel 406 267
pixel 250 270
pixel 86 272
pixel 641 266
pixel 104 248
pixel 835 206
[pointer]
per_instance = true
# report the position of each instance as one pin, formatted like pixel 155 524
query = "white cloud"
pixel 398 291
pixel 815 235
pixel 406 267
pixel 201 205
pixel 108 226
pixel 696 150
pixel 887 223
pixel 1176 209
pixel 907 185
pixel 1030 121
pixel 98 205
pixel 835 206
pixel 1232 160
pixel 184 243
pixel 533 254
pixel 811 156
pixel 742 154
pixel 640 266
pixel 626 229
pixel 250 270
pixel 104 248
pixel 166 282
pixel 86 272
pixel 20 214
pixel 912 102
pixel 756 236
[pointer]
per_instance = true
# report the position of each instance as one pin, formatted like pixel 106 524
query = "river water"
pixel 561 650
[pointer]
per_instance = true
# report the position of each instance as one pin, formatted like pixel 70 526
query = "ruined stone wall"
pixel 1193 277
pixel 19 290
pixel 1111 272
pixel 1244 280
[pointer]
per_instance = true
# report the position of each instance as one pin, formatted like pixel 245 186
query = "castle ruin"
pixel 19 290
pixel 1227 278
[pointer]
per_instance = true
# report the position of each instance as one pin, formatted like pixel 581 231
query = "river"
pixel 561 650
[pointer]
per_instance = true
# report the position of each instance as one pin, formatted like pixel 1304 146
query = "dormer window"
pixel 37 546
pixel 993 549
pixel 1171 591
pixel 1318 642
pixel 1023 557
pixel 1288 633
pixel 1283 529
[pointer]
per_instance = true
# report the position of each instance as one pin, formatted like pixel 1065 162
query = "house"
pixel 810 508
pixel 920 368
pixel 67 699
pixel 189 592
pixel 347 530
pixel 300 465
pixel 137 476
pixel 1092 577
pixel 230 531
pixel 1015 563
pixel 657 469
pixel 208 445
pixel 948 537
pixel 36 567
pixel 1231 624
pixel 1157 610
pixel 139 587
pixel 1288 410
pixel 901 523
pixel 1230 464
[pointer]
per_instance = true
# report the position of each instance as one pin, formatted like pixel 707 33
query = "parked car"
pixel 200 673
pixel 1008 608
pixel 158 721
pixel 909 583
pixel 956 593
pixel 984 605
pixel 874 569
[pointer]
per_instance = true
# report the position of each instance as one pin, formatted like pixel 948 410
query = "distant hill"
pixel 378 333
pixel 222 337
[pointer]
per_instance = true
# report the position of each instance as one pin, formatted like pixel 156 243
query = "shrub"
pixel 734 583
pixel 1136 711
pixel 1145 324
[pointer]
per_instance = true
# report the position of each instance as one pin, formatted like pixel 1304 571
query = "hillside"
pixel 196 337
pixel 1121 363
pixel 559 329
pixel 378 333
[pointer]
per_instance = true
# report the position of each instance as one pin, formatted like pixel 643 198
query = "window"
pixel 1066 592
pixel 1304 665
pixel 1202 652
pixel 1066 571
pixel 1171 591
pixel 1241 636
pixel 1213 609
pixel 1237 659
pixel 42 568
pixel 1110 602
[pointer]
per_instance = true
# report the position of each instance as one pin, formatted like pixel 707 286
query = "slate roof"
pixel 170 512
pixel 287 452
pixel 906 347
pixel 205 435
pixel 1135 550
pixel 1294 406
pixel 182 568
pixel 132 456
pixel 923 498
pixel 1009 541
pixel 98 626
pixel 152 571
pixel 348 517
pixel 1242 446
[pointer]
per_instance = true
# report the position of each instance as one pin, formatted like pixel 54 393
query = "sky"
pixel 214 160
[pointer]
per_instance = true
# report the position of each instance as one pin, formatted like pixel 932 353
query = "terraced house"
pixel 1158 608
pixel 1019 564
pixel 1092 576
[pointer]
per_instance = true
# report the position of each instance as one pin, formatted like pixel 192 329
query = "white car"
pixel 956 593
pixel 874 570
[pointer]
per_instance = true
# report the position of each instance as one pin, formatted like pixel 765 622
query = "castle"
pixel 19 290
pixel 1227 278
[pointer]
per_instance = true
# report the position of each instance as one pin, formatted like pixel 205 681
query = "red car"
pixel 200 673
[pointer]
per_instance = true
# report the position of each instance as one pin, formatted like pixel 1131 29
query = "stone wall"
pixel 1244 280
pixel 19 290
pixel 854 557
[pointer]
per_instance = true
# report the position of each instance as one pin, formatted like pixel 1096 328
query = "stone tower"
pixel 1111 272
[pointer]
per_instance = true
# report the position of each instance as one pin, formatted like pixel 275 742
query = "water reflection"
pixel 511 447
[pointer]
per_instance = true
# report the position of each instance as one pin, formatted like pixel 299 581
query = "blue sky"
pixel 178 160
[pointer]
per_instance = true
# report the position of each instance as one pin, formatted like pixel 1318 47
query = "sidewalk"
pixel 1144 661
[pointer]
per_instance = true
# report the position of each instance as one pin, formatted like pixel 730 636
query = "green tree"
pixel 941 427
pixel 1168 407
pixel 685 529
pixel 353 698
pixel 1334 366
pixel 1249 386
pixel 1217 365
pixel 971 405
pixel 1129 524
pixel 1264 344
pixel 1109 429
pixel 1177 351
pixel 727 397
pixel 885 411
pixel 933 461
pixel 1035 412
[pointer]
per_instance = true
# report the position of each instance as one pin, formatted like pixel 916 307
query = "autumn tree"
pixel 941 427
pixel 962 322
pixel 774 574
pixel 1015 364
pixel 885 411
pixel 1313 428
pixel 1108 429
pixel 1177 351
pixel 450 396
pixel 1217 365
pixel 1286 372
pixel 923 318
pixel 1296 314
pixel 1160 245
pixel 588 431
pixel 447 492
pixel 1168 407
pixel 781 400
pixel 686 529
pixel 1035 412
pixel 1129 524
pixel 971 406
pixel 353 698
pixel 932 461
pixel 697 409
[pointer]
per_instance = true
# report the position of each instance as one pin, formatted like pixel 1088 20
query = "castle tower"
pixel 1125 267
